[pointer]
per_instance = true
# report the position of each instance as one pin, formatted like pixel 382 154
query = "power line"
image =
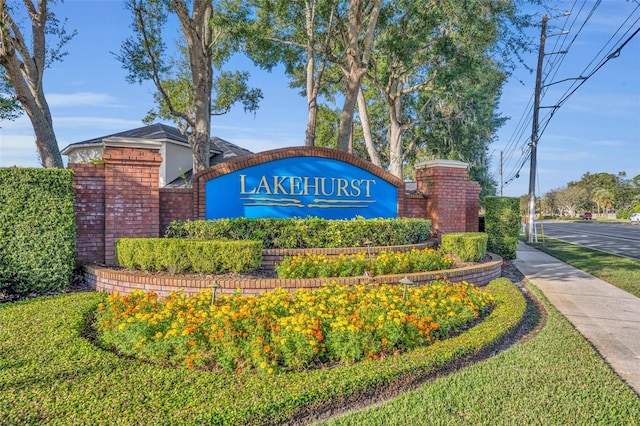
pixel 577 82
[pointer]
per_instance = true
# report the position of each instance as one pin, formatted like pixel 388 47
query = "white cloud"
pixel 81 99
pixel 18 150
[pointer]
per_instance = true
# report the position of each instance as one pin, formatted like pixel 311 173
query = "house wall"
pixel 85 154
pixel 178 160
pixel 122 198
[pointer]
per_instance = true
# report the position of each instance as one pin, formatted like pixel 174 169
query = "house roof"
pixel 228 151
pixel 156 132
pixel 220 149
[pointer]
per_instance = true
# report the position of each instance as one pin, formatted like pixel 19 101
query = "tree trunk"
pixel 25 74
pixel 357 61
pixel 310 134
pixel 346 116
pixel 374 156
pixel 198 35
pixel 395 137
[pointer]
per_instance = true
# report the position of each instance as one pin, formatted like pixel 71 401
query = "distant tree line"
pixel 597 193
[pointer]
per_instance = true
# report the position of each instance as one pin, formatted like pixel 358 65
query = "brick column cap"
pixel 452 164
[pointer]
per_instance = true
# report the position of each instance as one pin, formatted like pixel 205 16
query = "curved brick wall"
pixel 110 280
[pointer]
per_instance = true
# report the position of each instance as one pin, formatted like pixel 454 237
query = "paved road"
pixel 617 238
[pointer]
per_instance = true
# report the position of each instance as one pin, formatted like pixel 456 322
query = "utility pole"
pixel 501 176
pixel 534 133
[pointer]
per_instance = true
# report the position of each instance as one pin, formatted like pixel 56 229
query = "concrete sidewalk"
pixel 607 316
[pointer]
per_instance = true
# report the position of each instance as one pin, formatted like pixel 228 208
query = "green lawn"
pixel 620 271
pixel 51 374
pixel 556 378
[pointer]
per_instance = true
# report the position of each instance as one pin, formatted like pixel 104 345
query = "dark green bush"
pixel 37 229
pixel 307 232
pixel 502 225
pixel 466 246
pixel 180 255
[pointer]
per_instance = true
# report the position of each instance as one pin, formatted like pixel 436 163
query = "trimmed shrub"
pixel 37 229
pixel 180 255
pixel 309 232
pixel 623 213
pixel 502 224
pixel 466 246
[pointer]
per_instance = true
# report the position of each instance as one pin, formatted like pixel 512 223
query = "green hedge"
pixel 37 229
pixel 309 232
pixel 466 246
pixel 502 224
pixel 180 255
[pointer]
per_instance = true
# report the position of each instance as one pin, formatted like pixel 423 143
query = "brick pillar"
pixel 445 184
pixel 89 188
pixel 132 200
pixel 473 206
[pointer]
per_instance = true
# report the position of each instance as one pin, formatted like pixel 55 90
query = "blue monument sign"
pixel 299 187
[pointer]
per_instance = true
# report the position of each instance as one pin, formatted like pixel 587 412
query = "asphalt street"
pixel 617 238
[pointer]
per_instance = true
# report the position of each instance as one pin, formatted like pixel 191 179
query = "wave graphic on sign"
pixel 340 204
pixel 271 202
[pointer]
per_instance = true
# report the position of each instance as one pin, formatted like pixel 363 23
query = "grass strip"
pixel 556 378
pixel 51 374
pixel 619 271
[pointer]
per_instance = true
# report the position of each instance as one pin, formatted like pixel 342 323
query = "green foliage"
pixel 384 263
pixel 181 255
pixel 307 232
pixel 37 229
pixel 502 225
pixel 466 246
pixel 623 214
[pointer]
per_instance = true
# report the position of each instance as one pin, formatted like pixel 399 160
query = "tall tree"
pixel 24 57
pixel 433 67
pixel 357 34
pixel 185 81
pixel 298 34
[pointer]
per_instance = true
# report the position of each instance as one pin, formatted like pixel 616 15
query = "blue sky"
pixel 597 129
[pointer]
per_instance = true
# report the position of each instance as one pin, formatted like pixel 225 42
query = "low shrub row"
pixel 385 262
pixel 283 331
pixel 309 232
pixel 180 255
pixel 466 246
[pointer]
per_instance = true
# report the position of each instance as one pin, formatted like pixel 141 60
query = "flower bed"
pixel 282 330
pixel 384 263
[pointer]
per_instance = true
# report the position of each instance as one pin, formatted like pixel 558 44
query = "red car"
pixel 586 216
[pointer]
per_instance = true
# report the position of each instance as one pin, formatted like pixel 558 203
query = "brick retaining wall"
pixel 111 280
